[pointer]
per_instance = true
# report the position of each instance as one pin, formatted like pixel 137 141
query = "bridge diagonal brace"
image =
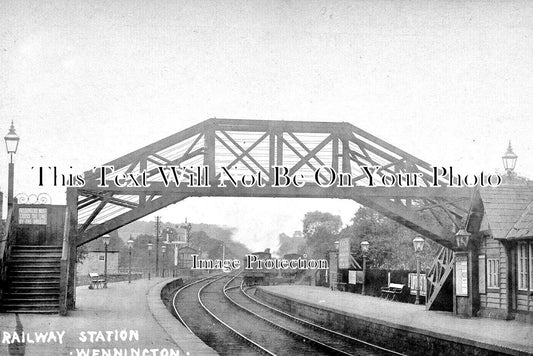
pixel 305 160
pixel 246 152
pixel 410 219
pixel 128 217
pixel 228 147
pixel 314 156
pixel 96 211
pixel 302 158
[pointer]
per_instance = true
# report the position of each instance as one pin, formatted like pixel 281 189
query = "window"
pixel 531 266
pixel 493 272
pixel 524 263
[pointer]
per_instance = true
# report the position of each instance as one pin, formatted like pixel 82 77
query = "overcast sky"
pixel 87 82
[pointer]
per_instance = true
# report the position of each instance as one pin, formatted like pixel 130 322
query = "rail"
pixel 8 239
pixel 64 271
pixel 316 326
pixel 304 338
pixel 178 315
pixel 233 330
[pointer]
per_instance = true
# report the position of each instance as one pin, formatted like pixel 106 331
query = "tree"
pixel 288 244
pixel 391 244
pixel 320 232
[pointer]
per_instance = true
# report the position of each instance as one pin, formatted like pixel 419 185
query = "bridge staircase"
pixel 33 280
pixel 439 280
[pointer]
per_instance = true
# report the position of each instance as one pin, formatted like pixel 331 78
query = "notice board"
pixel 461 275
pixel 344 253
pixel 32 216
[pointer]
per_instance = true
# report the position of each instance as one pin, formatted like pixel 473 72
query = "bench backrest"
pixel 396 286
pixel 93 275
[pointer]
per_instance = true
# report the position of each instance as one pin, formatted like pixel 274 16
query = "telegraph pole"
pixel 157 223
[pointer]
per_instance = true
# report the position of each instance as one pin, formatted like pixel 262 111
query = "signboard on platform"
pixel 413 282
pixel 32 216
pixel 352 277
pixel 359 277
pixel 344 253
pixel 461 275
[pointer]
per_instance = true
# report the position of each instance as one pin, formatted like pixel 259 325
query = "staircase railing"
pixel 8 240
pixel 438 274
pixel 64 271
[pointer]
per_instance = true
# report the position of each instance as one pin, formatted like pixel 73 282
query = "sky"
pixel 87 82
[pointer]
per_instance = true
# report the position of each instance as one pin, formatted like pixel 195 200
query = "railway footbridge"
pixel 244 158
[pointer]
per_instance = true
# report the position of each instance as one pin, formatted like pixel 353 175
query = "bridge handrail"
pixel 8 239
pixel 64 271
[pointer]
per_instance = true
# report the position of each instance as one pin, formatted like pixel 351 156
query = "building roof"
pixel 187 249
pixel 508 211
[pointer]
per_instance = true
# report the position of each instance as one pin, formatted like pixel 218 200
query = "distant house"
pixel 185 257
pixel 95 260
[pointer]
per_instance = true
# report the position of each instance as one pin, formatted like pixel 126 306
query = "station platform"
pixel 401 321
pixel 122 319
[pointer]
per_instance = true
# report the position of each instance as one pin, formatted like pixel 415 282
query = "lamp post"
pixel 334 279
pixel 509 161
pixel 418 244
pixel 164 250
pixel 364 249
pixel 106 238
pixel 12 142
pixel 130 246
pixel 149 254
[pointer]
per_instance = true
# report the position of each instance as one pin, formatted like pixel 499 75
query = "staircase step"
pixel 40 282
pixel 27 262
pixel 38 267
pixel 37 247
pixel 30 306
pixel 31 311
pixel 39 300
pixel 17 272
pixel 35 254
pixel 34 278
pixel 15 292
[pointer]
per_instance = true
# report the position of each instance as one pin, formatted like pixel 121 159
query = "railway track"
pixel 232 322
pixel 344 344
pixel 197 320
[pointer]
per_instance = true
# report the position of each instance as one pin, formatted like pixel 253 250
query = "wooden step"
pixel 15 293
pixel 30 267
pixel 32 311
pixel 36 247
pixel 47 255
pixel 36 272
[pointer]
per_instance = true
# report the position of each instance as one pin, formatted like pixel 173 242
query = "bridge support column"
pixel 72 206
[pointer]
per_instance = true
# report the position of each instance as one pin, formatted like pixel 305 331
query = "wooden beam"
pixel 411 220
pixel 309 190
pixel 128 217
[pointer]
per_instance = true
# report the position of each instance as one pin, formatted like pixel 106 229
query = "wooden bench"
pixel 393 292
pixel 97 281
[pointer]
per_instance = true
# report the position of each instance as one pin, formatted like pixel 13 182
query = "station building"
pixel 500 250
